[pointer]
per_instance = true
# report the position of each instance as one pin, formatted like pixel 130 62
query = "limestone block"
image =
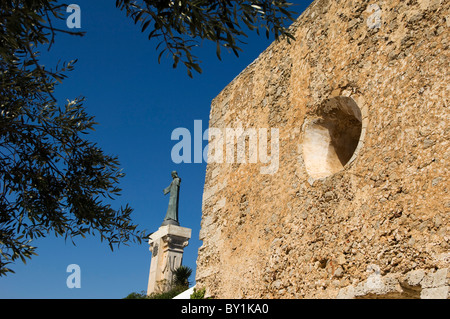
pixel 435 293
pixel 414 278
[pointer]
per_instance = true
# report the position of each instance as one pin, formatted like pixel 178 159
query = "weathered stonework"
pixel 306 233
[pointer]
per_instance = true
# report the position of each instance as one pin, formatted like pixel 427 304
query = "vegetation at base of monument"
pixel 163 295
pixel 198 293
pixel 180 25
pixel 137 295
pixel 181 276
pixel 52 178
pixel 180 283
pixel 175 291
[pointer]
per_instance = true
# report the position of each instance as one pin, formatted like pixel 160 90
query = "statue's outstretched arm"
pixel 166 190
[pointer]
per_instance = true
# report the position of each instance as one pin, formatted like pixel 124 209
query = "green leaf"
pixel 197 67
pixel 218 51
pixel 144 27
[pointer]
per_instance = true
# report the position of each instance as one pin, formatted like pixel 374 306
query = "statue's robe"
pixel 174 190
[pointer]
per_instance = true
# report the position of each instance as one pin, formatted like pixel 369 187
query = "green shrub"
pixel 198 293
pixel 169 294
pixel 180 282
pixel 181 276
pixel 137 295
pixel 163 295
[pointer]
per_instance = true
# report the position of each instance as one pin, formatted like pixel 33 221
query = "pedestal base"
pixel 167 246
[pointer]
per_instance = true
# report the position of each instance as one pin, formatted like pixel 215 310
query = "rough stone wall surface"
pixel 289 235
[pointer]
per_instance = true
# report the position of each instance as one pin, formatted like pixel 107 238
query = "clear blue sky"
pixel 137 103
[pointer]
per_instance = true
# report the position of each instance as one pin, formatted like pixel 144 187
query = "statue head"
pixel 174 174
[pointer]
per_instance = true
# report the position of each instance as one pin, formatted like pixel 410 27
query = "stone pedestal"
pixel 166 245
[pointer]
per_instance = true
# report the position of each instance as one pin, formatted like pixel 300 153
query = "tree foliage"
pixel 180 25
pixel 52 179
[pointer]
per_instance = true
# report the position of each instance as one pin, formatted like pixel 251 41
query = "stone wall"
pixel 360 101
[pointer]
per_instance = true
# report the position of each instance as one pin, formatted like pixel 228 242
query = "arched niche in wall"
pixel 332 134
